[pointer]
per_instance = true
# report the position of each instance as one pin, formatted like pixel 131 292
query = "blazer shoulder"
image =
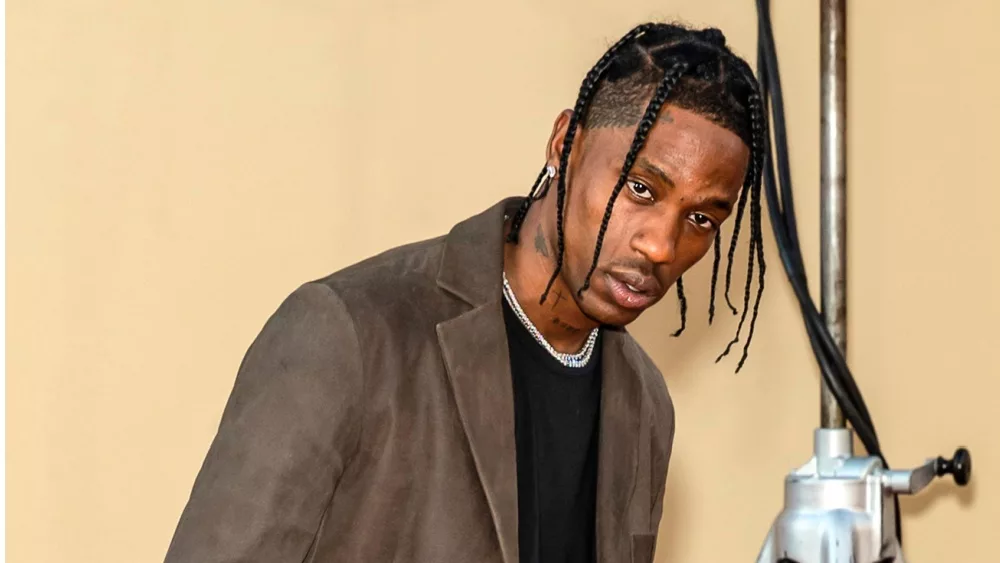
pixel 389 275
pixel 393 297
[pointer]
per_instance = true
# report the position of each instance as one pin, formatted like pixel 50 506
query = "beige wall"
pixel 176 168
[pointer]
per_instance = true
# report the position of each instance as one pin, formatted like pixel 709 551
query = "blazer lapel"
pixel 621 414
pixel 474 348
pixel 475 351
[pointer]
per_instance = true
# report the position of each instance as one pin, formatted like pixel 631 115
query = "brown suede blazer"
pixel 372 420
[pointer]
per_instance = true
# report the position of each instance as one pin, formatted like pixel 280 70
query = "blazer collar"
pixel 472 263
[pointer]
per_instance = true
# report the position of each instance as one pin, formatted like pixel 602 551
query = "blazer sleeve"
pixel 290 425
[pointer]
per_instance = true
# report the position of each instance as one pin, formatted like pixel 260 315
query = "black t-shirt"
pixel 556 414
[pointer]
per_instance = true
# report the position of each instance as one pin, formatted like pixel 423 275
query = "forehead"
pixel 687 146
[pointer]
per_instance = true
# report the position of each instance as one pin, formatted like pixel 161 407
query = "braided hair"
pixel 694 70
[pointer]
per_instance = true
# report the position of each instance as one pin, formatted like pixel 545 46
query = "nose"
pixel 657 242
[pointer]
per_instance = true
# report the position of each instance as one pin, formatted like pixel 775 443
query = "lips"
pixel 633 291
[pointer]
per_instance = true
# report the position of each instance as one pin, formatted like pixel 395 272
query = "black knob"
pixel 960 467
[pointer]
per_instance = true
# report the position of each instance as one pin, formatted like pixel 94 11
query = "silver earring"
pixel 550 173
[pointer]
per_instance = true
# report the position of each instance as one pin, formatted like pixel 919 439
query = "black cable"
pixel 783 221
pixel 768 61
pixel 781 210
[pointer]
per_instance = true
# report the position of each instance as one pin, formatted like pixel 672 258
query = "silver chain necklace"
pixel 578 360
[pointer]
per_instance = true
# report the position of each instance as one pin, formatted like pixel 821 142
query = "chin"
pixel 611 315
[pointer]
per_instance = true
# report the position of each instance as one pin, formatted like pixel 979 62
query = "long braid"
pixel 752 177
pixel 645 124
pixel 683 305
pixel 760 289
pixel 717 250
pixel 760 149
pixel 582 102
pixel 744 196
pixel 746 292
pixel 522 210
pixel 756 240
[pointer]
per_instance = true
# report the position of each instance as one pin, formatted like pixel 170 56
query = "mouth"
pixel 633 291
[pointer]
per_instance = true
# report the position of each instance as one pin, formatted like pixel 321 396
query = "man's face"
pixel 683 185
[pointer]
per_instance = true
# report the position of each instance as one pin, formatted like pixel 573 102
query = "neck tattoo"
pixel 577 360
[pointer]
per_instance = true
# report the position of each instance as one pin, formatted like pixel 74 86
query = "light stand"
pixel 839 507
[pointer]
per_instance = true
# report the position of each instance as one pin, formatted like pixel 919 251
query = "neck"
pixel 528 266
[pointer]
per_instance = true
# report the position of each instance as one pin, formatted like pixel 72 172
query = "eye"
pixel 640 190
pixel 702 221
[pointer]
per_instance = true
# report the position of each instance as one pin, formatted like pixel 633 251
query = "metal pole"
pixel 833 187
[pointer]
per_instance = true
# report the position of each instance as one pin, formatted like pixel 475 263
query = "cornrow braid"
pixel 717 250
pixel 760 290
pixel 760 148
pixel 582 102
pixel 683 304
pixel 746 299
pixel 756 242
pixel 645 124
pixel 744 196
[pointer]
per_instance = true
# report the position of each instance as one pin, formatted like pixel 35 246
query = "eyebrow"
pixel 719 203
pixel 655 171
pixel 716 202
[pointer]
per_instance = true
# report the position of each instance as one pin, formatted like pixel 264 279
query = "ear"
pixel 553 150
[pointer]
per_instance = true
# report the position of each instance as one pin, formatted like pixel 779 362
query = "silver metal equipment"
pixel 840 508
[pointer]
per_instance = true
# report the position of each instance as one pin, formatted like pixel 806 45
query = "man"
pixel 472 398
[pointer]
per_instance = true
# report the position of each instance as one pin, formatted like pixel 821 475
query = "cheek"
pixel 596 191
pixel 693 246
pixel 595 203
pixel 585 211
pixel 587 204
